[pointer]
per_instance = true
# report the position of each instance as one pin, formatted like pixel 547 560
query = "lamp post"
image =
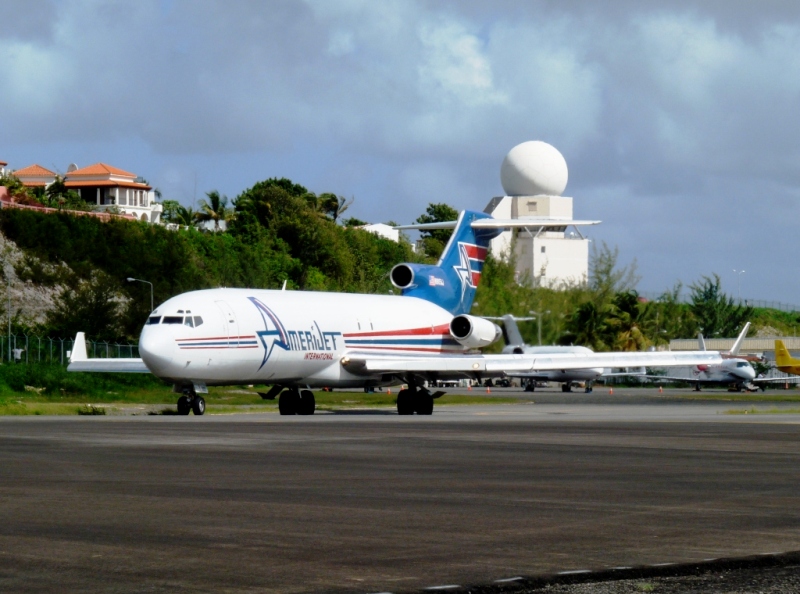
pixel 138 280
pixel 739 274
pixel 539 319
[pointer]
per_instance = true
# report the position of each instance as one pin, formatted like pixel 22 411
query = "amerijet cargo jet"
pixel 298 340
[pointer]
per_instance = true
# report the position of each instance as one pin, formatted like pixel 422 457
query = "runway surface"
pixel 368 501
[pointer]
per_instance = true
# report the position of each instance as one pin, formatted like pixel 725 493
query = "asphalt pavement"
pixel 366 501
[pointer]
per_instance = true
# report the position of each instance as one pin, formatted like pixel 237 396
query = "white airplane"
pixel 733 371
pixel 297 340
pixel 515 344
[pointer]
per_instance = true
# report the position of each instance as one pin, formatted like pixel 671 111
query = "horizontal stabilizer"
pixel 490 223
pixel 79 361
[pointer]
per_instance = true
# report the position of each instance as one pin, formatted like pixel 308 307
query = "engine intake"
pixel 474 332
pixel 402 276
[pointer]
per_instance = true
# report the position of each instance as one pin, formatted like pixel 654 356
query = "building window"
pixel 533 206
pixel 543 249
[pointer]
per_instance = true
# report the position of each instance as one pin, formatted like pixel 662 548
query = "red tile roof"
pixel 3 163
pixel 104 183
pixel 100 169
pixel 33 170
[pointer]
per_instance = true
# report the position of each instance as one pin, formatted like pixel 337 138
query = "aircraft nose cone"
pixel 156 351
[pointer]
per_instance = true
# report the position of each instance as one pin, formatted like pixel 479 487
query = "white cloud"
pixel 454 66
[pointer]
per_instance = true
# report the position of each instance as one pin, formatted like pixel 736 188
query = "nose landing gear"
pixel 190 401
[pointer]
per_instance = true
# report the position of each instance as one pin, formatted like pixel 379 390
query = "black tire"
pixel 184 405
pixel 307 403
pixel 423 404
pixel 198 406
pixel 530 386
pixel 288 402
pixel 405 402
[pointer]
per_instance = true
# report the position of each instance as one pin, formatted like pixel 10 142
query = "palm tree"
pixel 184 216
pixel 333 205
pixel 215 209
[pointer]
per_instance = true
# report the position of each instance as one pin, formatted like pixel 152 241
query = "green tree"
pixel 215 209
pixel 91 306
pixel 333 206
pixel 606 279
pixel 169 211
pixel 435 240
pixel 715 313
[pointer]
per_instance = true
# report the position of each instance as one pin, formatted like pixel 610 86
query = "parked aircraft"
pixel 734 371
pixel 784 360
pixel 296 340
pixel 515 344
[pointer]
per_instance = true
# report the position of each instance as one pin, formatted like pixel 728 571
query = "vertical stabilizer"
pixel 782 356
pixel 511 331
pixel 738 344
pixel 701 343
pixel 452 282
pixel 79 348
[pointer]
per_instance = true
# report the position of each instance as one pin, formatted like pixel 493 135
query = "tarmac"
pixel 481 497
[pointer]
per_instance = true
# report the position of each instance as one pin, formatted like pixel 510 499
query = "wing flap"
pixel 526 363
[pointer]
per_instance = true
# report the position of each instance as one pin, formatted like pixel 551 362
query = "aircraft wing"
pixel 79 361
pixel 369 364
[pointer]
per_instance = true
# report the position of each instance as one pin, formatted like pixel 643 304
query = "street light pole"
pixel 539 319
pixel 138 280
pixel 739 274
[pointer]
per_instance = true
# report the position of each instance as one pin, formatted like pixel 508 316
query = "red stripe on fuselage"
pixel 443 330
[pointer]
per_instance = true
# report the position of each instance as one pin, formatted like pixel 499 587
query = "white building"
pixel 386 231
pixel 105 186
pixel 548 253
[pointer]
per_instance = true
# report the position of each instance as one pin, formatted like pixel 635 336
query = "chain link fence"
pixel 22 348
pixel 761 303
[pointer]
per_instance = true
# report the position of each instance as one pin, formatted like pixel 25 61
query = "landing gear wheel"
pixel 288 402
pixel 530 386
pixel 198 405
pixel 307 403
pixel 405 402
pixel 184 405
pixel 423 403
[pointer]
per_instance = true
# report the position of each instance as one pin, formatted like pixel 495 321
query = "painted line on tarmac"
pixel 506 580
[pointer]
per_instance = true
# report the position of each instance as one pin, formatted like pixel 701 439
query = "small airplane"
pixel 734 371
pixel 515 344
pixel 297 340
pixel 784 361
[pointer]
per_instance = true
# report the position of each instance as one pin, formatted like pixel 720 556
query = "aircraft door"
pixel 230 322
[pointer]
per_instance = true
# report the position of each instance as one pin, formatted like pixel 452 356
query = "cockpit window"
pixel 172 320
pixel 188 322
pixel 742 364
pixel 198 320
pixel 153 320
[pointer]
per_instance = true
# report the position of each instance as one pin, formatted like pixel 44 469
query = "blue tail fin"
pixel 450 284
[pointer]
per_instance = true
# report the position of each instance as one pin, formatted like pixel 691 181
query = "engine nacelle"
pixel 474 332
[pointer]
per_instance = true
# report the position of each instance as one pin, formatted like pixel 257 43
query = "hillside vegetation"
pixel 279 231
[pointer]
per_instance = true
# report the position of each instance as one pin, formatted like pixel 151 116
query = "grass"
pixel 49 390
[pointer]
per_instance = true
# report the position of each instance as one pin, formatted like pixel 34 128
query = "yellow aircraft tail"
pixel 784 361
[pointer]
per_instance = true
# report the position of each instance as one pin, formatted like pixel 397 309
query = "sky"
pixel 679 121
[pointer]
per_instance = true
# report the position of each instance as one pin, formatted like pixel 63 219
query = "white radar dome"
pixel 534 167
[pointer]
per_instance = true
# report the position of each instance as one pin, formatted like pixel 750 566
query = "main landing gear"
pixel 296 402
pixel 414 400
pixel 190 401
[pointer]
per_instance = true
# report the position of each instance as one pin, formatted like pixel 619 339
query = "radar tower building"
pixel 534 175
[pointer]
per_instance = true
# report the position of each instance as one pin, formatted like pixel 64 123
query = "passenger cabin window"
pixel 153 320
pixel 172 320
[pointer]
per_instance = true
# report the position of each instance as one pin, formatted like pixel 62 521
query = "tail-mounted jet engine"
pixel 473 332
